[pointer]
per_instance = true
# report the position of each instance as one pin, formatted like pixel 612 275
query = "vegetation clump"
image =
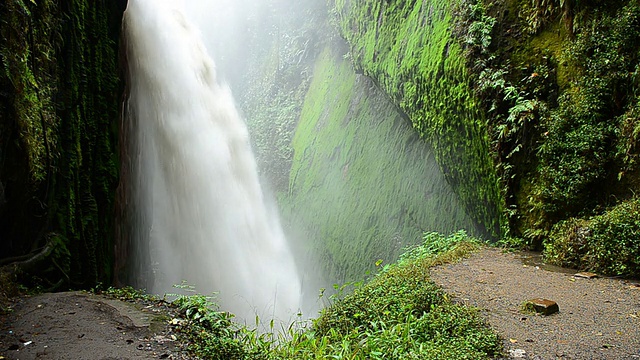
pixel 606 243
pixel 401 314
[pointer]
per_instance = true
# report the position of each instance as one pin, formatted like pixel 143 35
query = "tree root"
pixel 35 263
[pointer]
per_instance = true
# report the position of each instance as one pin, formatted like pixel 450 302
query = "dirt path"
pixel 81 326
pixel 598 319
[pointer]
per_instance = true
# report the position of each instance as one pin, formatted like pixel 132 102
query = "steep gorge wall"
pixel 408 48
pixel 534 102
pixel 530 108
pixel 363 186
pixel 59 109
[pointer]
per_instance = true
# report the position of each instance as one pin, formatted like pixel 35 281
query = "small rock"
pixel 517 354
pixel 586 275
pixel 542 306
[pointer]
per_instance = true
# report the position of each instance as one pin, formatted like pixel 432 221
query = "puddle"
pixel 532 258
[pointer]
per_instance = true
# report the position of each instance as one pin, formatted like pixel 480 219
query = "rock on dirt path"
pixel 82 326
pixel 598 319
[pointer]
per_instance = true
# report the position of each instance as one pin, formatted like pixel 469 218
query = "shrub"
pixel 607 243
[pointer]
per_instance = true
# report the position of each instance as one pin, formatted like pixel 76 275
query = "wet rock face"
pixel 542 306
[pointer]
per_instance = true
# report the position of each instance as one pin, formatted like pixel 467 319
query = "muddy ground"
pixel 84 326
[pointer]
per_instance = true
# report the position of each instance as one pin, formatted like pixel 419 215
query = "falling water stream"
pixel 200 212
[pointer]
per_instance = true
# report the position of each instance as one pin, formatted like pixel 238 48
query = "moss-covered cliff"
pixel 355 183
pixel 409 49
pixel 534 102
pixel 363 185
pixel 59 99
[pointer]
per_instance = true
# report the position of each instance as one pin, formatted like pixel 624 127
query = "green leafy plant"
pixel 606 243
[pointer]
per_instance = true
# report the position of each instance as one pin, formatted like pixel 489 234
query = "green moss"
pixel 59 60
pixel 409 50
pixel 362 185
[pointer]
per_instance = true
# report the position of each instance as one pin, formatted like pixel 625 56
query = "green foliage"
pixel 409 50
pixel 579 152
pixel 211 333
pixel 607 243
pixel 537 13
pixel 528 308
pixel 562 109
pixel 437 244
pixel 399 314
pixel 274 89
pixel 126 293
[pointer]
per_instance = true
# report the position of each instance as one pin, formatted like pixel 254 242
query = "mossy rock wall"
pixel 59 106
pixel 408 48
pixel 363 185
pixel 579 197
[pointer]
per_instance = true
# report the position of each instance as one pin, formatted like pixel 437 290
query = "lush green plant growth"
pixel 126 293
pixel 579 152
pixel 562 105
pixel 278 75
pixel 400 314
pixel 576 119
pixel 607 243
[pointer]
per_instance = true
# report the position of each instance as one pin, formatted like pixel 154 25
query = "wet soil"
pixel 598 319
pixel 77 325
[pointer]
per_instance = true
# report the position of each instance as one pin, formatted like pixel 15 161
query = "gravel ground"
pixel 598 318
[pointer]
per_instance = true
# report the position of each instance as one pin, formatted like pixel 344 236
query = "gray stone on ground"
pixel 517 354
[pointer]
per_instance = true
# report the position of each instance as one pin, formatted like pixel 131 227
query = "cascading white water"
pixel 199 208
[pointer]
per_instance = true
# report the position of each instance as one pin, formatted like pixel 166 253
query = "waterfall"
pixel 199 212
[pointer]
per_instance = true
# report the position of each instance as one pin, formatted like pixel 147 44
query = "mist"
pixel 201 214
